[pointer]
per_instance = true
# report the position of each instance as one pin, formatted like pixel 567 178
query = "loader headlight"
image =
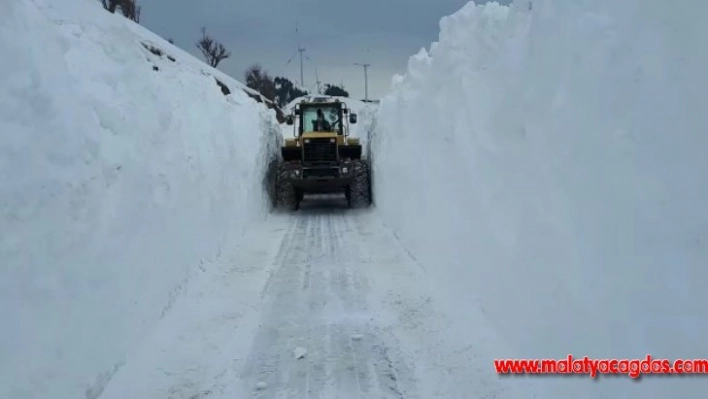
pixel 307 141
pixel 295 173
pixel 332 140
pixel 345 170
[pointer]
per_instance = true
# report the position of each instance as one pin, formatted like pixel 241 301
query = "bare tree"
pixel 254 75
pixel 111 5
pixel 258 79
pixel 213 51
pixel 129 8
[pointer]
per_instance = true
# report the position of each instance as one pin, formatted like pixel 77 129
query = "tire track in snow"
pixel 317 301
pixel 332 281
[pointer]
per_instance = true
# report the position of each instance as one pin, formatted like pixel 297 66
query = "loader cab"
pixel 305 116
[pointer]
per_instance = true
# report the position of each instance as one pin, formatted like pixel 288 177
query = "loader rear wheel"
pixel 286 196
pixel 359 191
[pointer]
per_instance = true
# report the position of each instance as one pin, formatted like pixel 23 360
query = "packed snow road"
pixel 323 303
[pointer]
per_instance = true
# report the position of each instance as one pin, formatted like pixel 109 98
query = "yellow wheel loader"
pixel 321 157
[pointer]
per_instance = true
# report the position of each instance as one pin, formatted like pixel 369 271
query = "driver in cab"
pixel 321 124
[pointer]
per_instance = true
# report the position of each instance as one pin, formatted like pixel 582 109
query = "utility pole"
pixel 302 76
pixel 366 80
pixel 317 77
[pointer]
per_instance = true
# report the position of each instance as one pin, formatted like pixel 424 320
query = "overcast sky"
pixel 335 33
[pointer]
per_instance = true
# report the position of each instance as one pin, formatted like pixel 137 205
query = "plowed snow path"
pixel 324 303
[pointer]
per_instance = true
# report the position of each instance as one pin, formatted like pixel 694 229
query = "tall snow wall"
pixel 547 163
pixel 124 170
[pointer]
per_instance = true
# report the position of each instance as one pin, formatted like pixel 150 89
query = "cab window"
pixel 331 115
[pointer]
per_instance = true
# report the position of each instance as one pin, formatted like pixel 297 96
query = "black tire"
pixel 286 196
pixel 359 192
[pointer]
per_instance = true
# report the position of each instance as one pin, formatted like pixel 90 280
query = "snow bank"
pixel 122 171
pixel 563 188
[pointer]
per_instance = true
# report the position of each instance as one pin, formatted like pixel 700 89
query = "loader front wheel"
pixel 359 191
pixel 286 197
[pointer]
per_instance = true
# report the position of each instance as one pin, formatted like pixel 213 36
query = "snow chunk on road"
pixel 300 352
